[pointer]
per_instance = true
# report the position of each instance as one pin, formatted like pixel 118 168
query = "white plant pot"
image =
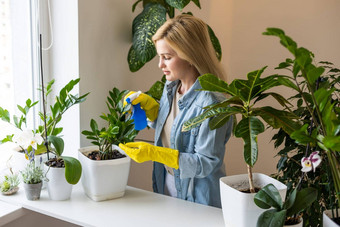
pixel 57 186
pixel 104 179
pixel 239 209
pixel 327 219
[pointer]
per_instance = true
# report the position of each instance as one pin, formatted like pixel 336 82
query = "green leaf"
pixel 94 125
pixel 323 96
pixel 301 136
pixel 268 197
pixel 271 218
pixel 178 4
pixel 197 3
pixel 216 43
pixel 192 123
pixel 58 144
pixel 248 128
pixel 144 27
pixel 134 61
pixel 332 142
pixel 210 82
pixel 290 200
pixel 278 118
pixel 4 115
pixel 219 120
pixel 73 169
pixel 314 74
pixel 287 82
pixel 304 198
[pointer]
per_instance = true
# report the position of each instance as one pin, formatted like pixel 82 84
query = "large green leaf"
pixel 144 27
pixel 271 218
pixel 248 128
pixel 268 197
pixel 210 82
pixel 135 63
pixel 314 73
pixel 278 118
pixel 178 4
pixel 216 44
pixel 72 169
pixel 304 198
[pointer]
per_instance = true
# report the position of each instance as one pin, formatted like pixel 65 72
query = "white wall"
pixel 101 30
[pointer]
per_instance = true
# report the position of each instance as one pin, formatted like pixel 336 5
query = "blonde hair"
pixel 189 37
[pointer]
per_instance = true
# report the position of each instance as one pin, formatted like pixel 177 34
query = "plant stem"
pixel 250 178
pixel 43 97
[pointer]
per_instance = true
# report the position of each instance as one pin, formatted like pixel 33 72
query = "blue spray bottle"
pixel 138 114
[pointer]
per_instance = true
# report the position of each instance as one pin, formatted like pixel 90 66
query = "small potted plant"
pixel 32 176
pixel 10 185
pixel 105 166
pixel 63 171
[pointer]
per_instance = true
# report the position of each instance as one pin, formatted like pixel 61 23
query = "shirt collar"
pixel 188 97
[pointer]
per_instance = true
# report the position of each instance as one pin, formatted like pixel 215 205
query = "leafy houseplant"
pixel 120 129
pixel 63 101
pixel 145 25
pixel 103 177
pixel 283 212
pixel 317 95
pixel 243 95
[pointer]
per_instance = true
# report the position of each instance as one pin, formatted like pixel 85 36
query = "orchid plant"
pixel 29 141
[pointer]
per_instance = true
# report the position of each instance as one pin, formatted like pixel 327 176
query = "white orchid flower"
pixel 27 138
pixel 311 162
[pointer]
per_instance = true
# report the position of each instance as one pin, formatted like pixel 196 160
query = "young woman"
pixel 187 165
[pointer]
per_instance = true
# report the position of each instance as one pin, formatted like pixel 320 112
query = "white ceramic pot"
pixel 239 209
pixel 104 179
pixel 57 186
pixel 327 219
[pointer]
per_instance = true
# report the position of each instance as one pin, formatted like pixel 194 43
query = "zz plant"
pixel 145 25
pixel 242 97
pixel 119 129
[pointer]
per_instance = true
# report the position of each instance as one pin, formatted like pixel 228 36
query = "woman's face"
pixel 173 67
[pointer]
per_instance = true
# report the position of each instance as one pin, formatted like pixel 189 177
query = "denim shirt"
pixel 201 150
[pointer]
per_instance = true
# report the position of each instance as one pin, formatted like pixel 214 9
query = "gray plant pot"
pixel 32 191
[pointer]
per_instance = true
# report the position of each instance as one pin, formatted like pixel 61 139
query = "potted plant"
pixel 10 185
pixel 286 213
pixel 243 96
pixel 63 101
pixel 105 167
pixel 32 176
pixel 63 171
pixel 317 95
pixel 145 25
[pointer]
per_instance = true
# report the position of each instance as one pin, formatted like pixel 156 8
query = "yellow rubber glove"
pixel 147 103
pixel 141 152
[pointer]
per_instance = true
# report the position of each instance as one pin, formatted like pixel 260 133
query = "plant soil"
pixel 54 162
pixel 95 155
pixel 336 220
pixel 293 220
pixel 248 190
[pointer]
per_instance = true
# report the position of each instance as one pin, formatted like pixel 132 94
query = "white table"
pixel 137 208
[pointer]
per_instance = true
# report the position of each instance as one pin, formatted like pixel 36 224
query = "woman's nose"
pixel 161 63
